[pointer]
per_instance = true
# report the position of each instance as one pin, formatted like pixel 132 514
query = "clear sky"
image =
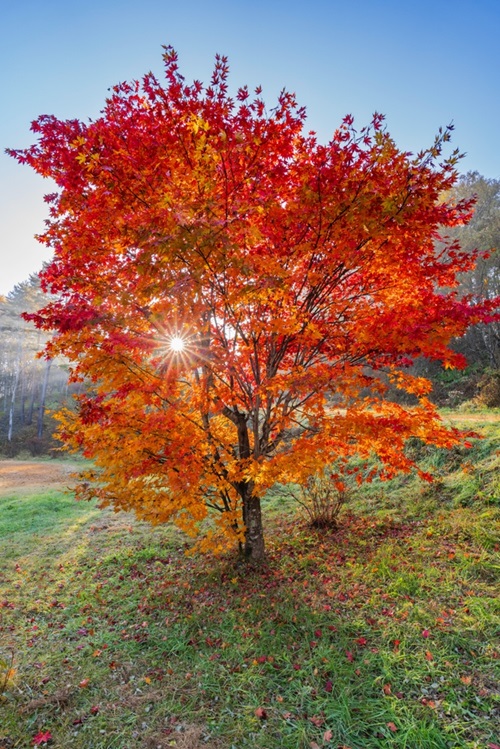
pixel 423 63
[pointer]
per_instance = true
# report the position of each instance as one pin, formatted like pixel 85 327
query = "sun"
pixel 177 344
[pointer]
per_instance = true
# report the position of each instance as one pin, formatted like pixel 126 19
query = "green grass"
pixel 380 635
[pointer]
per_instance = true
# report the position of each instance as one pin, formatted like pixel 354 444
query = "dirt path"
pixel 25 474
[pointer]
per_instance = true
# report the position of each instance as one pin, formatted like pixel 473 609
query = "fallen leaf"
pixel 84 683
pixel 426 633
pixel 386 689
pixel 43 737
pixel 428 655
pixel 328 686
pixel 316 720
pixel 349 656
pixel 328 735
pixel 392 727
pixel 261 713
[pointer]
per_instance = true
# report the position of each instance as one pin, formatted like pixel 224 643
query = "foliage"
pixel 7 670
pixel 242 296
pixel 379 635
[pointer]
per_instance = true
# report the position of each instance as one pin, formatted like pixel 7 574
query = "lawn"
pixel 380 634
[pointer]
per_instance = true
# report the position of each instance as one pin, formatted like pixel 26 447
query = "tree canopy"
pixel 241 297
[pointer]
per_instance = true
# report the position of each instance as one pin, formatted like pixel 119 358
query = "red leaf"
pixel 349 656
pixel 392 727
pixel 428 655
pixel 327 736
pixel 426 633
pixel 328 686
pixel 361 641
pixel 43 737
pixel 261 713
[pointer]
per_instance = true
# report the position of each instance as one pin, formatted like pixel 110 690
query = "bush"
pixel 322 499
pixel 489 389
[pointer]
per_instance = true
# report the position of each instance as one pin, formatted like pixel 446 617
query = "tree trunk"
pixel 43 395
pixel 254 533
pixel 13 405
pixel 252 518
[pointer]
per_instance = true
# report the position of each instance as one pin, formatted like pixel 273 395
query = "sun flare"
pixel 177 344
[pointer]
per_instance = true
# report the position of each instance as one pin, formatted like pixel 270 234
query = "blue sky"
pixel 423 64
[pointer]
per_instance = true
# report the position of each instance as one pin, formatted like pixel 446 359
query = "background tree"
pixel 481 343
pixel 241 296
pixel 26 381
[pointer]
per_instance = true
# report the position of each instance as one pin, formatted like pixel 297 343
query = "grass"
pixel 380 635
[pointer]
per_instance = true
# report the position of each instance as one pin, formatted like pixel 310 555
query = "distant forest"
pixel 33 388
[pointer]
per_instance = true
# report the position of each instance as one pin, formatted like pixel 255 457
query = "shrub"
pixel 489 389
pixel 322 499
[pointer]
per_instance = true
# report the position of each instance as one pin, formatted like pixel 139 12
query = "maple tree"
pixel 242 297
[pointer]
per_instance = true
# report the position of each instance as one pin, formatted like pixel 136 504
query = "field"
pixel 381 634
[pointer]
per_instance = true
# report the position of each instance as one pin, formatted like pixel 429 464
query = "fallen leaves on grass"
pixel 43 737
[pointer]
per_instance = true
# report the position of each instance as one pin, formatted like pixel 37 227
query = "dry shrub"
pixel 489 389
pixel 190 737
pixel 322 499
pixel 59 699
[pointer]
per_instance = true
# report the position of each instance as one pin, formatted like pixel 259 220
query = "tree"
pixel 24 378
pixel 481 342
pixel 241 297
